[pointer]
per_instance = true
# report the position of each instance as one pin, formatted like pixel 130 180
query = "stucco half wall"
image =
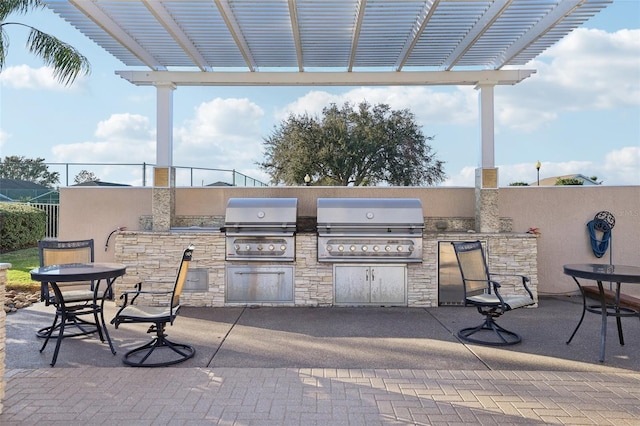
pixel 560 213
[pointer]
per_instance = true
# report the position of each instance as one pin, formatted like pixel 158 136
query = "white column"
pixel 486 126
pixel 163 201
pixel 164 125
pixel 487 209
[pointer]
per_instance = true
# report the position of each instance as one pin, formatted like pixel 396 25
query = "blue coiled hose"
pixel 599 246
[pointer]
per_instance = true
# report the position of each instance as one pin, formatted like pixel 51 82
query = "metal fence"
pixel 141 174
pixel 52 211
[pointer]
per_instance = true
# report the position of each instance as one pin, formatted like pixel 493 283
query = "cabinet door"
pixel 351 284
pixel 388 284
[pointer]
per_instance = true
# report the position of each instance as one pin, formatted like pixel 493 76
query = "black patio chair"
pixel 482 291
pixel 75 295
pixel 159 314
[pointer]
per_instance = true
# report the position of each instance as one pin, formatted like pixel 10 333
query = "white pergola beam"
pixel 357 27
pixel 485 22
pixel 236 32
pixel 93 12
pixel 166 20
pixel 405 78
pixel 562 10
pixel 418 28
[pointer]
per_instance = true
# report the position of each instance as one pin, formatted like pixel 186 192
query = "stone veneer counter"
pixel 152 257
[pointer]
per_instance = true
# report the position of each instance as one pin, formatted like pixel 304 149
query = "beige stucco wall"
pixel 561 213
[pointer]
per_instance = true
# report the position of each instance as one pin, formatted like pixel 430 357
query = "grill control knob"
pixel 271 247
pixel 283 247
pixel 411 248
pixel 352 248
pixel 260 247
pixel 365 248
pixel 340 248
pixel 399 248
pixel 387 248
pixel 376 248
pixel 247 247
pixel 329 249
pixel 236 247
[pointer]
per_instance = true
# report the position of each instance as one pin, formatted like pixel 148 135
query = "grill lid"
pixel 370 214
pixel 261 214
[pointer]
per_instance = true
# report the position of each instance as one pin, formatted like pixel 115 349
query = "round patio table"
pixel 57 275
pixel 602 273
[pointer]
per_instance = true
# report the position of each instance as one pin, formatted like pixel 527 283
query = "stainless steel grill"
pixel 261 229
pixel 370 229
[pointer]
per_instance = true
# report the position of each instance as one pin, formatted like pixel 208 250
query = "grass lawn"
pixel 22 261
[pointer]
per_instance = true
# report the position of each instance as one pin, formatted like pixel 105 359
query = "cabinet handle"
pixel 366 274
pixel 373 276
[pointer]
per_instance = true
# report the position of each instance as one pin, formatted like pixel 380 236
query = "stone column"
pixel 487 211
pixel 3 329
pixel 163 205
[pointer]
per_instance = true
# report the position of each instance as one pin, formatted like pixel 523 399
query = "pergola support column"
pixel 487 212
pixel 164 180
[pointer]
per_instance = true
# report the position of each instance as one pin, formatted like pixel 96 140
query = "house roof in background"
pixel 99 183
pixel 21 184
pixel 551 181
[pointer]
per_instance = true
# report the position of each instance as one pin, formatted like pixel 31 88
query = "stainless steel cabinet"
pixel 370 284
pixel 247 284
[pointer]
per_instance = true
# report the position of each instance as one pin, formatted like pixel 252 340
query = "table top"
pixel 77 272
pixel 604 272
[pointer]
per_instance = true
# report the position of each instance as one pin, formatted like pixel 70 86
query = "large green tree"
pixel 27 169
pixel 362 145
pixel 66 61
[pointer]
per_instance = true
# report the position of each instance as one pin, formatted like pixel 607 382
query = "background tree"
pixel 66 61
pixel 518 184
pixel 568 181
pixel 85 176
pixel 358 146
pixel 29 170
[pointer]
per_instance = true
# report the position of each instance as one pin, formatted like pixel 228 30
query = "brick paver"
pixel 290 396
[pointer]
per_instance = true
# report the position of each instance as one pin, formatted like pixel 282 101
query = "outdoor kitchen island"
pixel 152 257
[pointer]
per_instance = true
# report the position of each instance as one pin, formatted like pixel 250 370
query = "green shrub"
pixel 568 181
pixel 21 226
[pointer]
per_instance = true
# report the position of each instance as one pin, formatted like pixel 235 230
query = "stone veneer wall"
pixel 152 257
pixel 3 330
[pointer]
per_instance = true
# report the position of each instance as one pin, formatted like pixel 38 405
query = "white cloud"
pixel 224 133
pixel 4 136
pixel 25 77
pixel 124 126
pixel 456 106
pixel 123 138
pixel 619 167
pixel 588 70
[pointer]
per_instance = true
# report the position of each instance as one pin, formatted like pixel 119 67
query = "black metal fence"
pixel 142 174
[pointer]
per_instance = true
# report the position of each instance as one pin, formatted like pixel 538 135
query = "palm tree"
pixel 67 62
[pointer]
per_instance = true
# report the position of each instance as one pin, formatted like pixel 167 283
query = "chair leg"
pixel 159 341
pixel 505 337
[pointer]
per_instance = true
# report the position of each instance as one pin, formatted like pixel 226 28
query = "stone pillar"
pixel 163 205
pixel 3 329
pixel 487 211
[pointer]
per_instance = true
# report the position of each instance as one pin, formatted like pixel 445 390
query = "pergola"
pixel 171 43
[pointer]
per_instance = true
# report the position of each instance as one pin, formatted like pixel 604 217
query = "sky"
pixel 578 114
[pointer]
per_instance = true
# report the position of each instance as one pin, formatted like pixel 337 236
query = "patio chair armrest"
pixel 496 285
pixel 524 279
pixel 489 283
pixel 125 295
